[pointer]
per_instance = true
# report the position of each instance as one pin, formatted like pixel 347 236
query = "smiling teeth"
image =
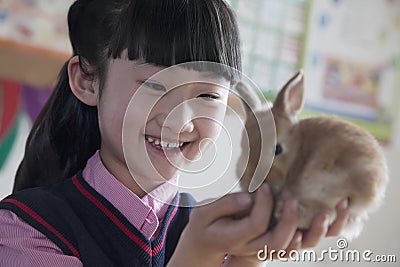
pixel 164 145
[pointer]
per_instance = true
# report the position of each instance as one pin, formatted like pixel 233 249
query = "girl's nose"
pixel 177 119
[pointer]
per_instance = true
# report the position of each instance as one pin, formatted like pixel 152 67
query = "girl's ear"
pixel 290 99
pixel 84 89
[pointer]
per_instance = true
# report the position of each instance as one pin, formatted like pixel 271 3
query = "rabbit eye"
pixel 278 149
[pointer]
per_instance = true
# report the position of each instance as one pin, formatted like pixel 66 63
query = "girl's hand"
pixel 212 232
pixel 301 240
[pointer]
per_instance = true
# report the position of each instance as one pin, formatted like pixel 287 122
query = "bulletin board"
pixel 352 62
pixel 272 35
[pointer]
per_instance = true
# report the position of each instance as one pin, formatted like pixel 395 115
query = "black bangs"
pixel 169 32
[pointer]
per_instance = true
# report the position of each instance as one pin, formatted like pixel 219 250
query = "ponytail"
pixel 65 134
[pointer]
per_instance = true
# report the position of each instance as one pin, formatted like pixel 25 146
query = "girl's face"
pixel 153 125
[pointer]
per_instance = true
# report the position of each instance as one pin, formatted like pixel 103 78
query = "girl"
pixel 95 213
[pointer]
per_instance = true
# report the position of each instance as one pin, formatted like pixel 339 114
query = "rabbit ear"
pixel 290 99
pixel 249 97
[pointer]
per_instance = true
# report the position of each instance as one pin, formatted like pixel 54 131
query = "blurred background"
pixel 349 50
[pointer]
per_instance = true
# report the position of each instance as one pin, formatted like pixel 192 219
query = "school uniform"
pixel 91 220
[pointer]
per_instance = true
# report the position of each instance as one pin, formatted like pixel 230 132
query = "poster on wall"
pixel 352 63
pixel 41 23
pixel 351 83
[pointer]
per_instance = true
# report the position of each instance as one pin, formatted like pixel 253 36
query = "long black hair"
pixel 66 132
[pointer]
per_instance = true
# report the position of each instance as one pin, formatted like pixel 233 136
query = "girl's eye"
pixel 154 86
pixel 209 96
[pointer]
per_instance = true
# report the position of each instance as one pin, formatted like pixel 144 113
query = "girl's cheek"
pixel 211 129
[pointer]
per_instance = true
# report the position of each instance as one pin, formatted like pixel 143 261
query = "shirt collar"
pixel 135 209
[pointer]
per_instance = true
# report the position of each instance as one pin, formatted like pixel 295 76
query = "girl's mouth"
pixel 165 146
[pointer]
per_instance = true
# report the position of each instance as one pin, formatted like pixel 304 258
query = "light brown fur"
pixel 324 159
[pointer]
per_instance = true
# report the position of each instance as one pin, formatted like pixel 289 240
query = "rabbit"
pixel 319 160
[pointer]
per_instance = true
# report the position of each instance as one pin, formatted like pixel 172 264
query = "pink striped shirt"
pixel 23 245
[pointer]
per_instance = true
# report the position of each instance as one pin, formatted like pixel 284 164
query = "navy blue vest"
pixel 82 223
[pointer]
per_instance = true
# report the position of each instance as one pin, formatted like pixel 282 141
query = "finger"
pixel 228 205
pixel 259 218
pixel 281 236
pixel 342 212
pixel 256 223
pixel 295 243
pixel 284 231
pixel 251 227
pixel 318 230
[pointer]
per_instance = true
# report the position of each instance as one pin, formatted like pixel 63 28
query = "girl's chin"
pixel 150 181
pixel 166 171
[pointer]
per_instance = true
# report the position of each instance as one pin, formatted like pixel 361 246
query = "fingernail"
pixel 293 205
pixel 244 199
pixel 325 222
pixel 344 204
pixel 299 238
